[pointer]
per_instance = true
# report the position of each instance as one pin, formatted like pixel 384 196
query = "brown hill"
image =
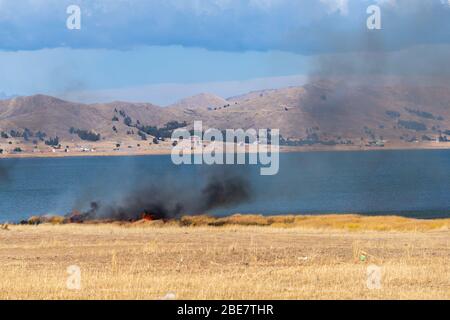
pixel 321 111
pixel 199 102
pixel 55 117
pixel 330 111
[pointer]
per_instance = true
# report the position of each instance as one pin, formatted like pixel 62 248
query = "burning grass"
pixel 313 222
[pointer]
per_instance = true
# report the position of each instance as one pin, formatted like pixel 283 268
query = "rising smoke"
pixel 172 198
pixel 348 83
pixel 414 40
pixel 411 49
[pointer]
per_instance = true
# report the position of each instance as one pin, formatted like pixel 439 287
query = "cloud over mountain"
pixel 306 26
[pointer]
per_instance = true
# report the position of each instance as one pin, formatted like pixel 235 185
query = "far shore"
pixel 166 150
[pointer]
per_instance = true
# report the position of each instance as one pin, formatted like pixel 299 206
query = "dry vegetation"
pixel 321 222
pixel 239 257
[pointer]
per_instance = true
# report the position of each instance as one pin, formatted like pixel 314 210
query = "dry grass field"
pixel 240 257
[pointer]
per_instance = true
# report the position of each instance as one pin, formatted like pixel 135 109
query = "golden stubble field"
pixel 234 258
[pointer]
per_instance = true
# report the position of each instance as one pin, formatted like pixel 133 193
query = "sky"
pixel 162 50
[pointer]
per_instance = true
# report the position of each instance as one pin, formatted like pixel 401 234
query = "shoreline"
pixel 164 152
pixel 243 218
pixel 343 222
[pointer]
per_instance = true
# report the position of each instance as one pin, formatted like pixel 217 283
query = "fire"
pixel 148 217
pixel 76 217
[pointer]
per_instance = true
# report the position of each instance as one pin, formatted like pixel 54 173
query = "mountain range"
pixel 318 112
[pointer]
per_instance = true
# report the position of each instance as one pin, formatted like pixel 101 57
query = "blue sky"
pixel 162 50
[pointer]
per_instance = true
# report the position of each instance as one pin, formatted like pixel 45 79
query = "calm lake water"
pixel 409 183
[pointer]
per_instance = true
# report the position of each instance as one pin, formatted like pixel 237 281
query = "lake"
pixel 412 183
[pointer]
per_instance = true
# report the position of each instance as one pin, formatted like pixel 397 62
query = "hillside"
pixel 55 117
pixel 334 112
pixel 198 103
pixel 318 113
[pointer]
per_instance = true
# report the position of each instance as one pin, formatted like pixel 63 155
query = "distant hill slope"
pixel 337 112
pixel 199 102
pixel 321 111
pixel 55 117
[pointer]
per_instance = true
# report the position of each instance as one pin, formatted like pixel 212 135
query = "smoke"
pixel 348 87
pixel 171 198
pixel 367 72
pixel 223 192
pixel 414 40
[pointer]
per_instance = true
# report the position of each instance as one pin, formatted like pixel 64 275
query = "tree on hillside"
pixel 53 142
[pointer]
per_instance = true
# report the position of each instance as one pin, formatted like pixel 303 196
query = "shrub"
pixel 142 135
pixel 86 134
pixel 52 142
pixel 164 132
pixel 393 114
pixel 127 121
pixel 424 114
pixel 412 125
pixel 421 114
pixel 15 134
pixel 41 135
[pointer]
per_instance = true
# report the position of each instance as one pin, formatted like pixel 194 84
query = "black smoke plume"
pixel 168 199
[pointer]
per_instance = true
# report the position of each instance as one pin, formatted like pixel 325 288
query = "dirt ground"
pixel 141 148
pixel 156 261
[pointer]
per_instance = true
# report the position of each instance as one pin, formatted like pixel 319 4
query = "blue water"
pixel 409 183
